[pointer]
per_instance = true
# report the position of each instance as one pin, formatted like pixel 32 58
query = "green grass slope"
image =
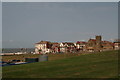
pixel 96 65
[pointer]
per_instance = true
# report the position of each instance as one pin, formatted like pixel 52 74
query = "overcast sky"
pixel 0 25
pixel 27 23
pixel 60 0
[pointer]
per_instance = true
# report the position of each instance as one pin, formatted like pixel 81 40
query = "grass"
pixel 96 65
pixel 23 56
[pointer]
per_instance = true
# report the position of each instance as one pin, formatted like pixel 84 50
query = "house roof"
pixel 81 42
pixel 92 39
pixel 68 43
pixel 55 44
pixel 43 42
pixel 107 43
pixel 116 42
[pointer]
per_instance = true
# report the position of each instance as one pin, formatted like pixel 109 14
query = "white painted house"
pixel 42 47
pixel 62 47
pixel 67 47
pixel 80 45
pixel 117 45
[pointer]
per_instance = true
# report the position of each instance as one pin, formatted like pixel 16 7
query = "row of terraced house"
pixel 92 45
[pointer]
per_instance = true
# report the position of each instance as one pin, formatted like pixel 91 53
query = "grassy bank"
pixel 97 65
pixel 23 56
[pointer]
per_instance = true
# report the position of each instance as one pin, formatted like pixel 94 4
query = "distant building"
pixel 91 45
pixel 80 46
pixel 98 45
pixel 55 48
pixel 117 45
pixel 63 47
pixel 94 44
pixel 43 47
pixel 107 45
pixel 67 47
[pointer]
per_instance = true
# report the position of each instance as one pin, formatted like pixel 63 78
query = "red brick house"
pixel 94 44
pixel 98 45
pixel 107 45
pixel 91 45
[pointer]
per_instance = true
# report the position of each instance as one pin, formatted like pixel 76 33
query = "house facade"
pixel 55 48
pixel 93 45
pixel 43 47
pixel 117 45
pixel 107 45
pixel 67 47
pixel 80 46
pixel 98 45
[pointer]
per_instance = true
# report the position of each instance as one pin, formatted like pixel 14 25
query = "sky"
pixel 26 23
pixel 0 25
pixel 60 0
